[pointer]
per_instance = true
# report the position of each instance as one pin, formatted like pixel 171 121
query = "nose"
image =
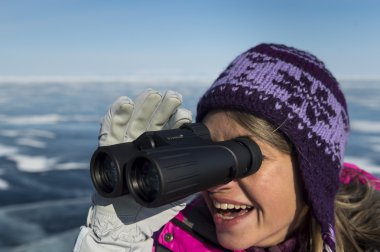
pixel 223 187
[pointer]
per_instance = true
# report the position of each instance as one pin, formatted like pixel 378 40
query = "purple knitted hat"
pixel 294 91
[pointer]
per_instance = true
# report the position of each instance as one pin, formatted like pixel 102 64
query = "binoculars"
pixel 160 167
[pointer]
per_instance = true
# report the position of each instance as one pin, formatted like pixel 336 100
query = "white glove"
pixel 121 224
pixel 126 120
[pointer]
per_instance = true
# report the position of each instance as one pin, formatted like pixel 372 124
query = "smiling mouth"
pixel 227 211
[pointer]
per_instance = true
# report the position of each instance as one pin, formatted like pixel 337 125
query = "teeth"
pixel 216 205
pixel 225 206
pixel 226 217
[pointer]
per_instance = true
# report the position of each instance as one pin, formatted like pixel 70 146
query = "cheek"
pixel 275 190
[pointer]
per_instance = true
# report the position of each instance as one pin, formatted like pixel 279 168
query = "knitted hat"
pixel 294 91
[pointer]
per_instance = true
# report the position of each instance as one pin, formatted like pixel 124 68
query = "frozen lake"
pixel 48 132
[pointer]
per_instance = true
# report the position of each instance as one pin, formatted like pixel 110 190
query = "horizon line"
pixel 141 78
pixel 136 78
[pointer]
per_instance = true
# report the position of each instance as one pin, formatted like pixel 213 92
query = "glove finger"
pixel 180 117
pixel 115 122
pixel 168 106
pixel 145 105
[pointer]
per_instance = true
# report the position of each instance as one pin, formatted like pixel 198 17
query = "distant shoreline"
pixel 153 79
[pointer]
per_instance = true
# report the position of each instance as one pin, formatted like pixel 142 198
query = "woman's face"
pixel 261 209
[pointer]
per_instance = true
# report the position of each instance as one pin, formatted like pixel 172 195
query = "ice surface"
pixel 27 133
pixel 43 226
pixel 31 142
pixel 45 119
pixel 47 139
pixel 364 163
pixel 366 126
pixel 4 185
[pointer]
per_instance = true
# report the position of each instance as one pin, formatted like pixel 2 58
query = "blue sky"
pixel 200 37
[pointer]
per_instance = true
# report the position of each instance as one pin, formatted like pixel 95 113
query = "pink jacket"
pixel 351 171
pixel 193 230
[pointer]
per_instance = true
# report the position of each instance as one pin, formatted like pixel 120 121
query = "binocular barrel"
pixel 164 166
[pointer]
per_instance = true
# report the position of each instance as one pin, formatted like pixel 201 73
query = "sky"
pixel 189 38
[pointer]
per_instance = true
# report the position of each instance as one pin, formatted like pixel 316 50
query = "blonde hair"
pixel 357 220
pixel 357 216
pixel 262 130
pixel 357 206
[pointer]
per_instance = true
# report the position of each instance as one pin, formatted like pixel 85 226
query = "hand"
pixel 126 120
pixel 122 219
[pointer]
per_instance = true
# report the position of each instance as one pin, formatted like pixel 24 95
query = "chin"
pixel 242 241
pixel 233 244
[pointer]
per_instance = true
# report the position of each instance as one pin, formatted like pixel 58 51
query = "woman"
pixel 292 107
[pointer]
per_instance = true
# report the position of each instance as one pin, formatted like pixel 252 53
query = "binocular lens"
pixel 107 173
pixel 146 179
